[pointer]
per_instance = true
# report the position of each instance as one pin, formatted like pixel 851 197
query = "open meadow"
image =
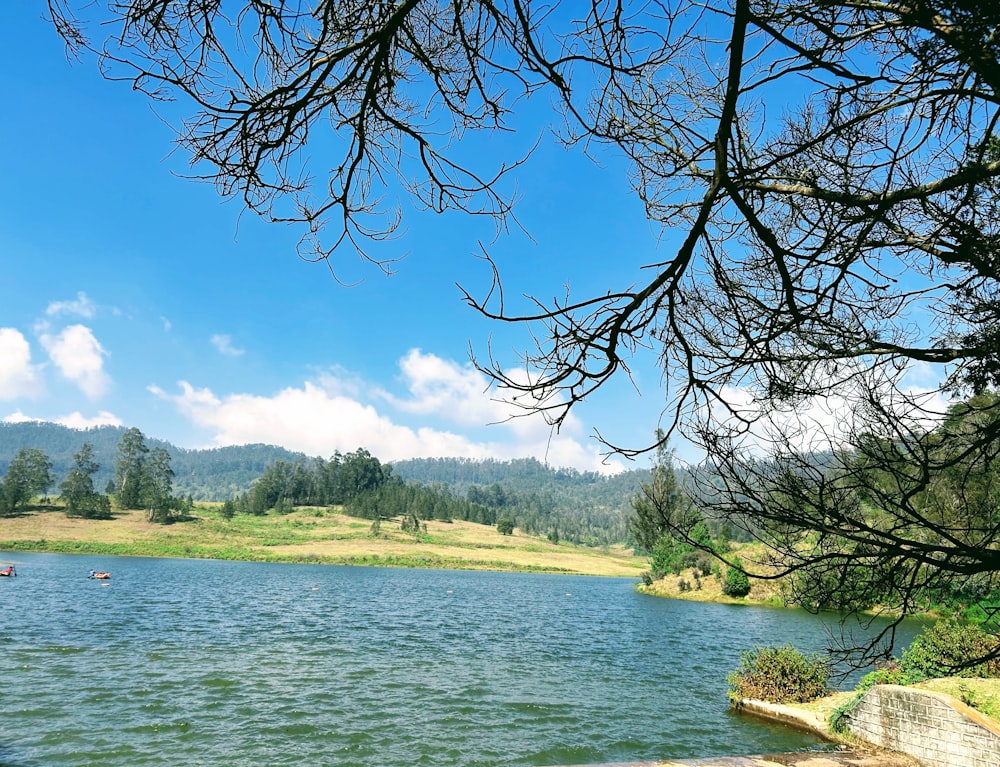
pixel 318 536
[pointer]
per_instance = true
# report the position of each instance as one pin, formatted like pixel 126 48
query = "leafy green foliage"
pixel 144 478
pixel 951 648
pixel 130 469
pixel 505 526
pixel 588 508
pixel 945 648
pixel 657 505
pixel 29 473
pixel 667 525
pixel 736 584
pixel 844 586
pixel 893 673
pixel 157 486
pixel 670 555
pixel 779 675
pixel 841 715
pixel 77 490
pixel 342 480
pixel 394 499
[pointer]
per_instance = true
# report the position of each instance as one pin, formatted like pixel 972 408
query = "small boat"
pixel 99 576
pixel 9 572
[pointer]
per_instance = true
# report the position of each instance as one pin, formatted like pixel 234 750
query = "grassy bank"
pixel 696 587
pixel 310 535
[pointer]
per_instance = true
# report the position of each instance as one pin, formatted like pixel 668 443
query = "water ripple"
pixel 224 663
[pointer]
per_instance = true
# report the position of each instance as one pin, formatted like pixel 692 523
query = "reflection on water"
pixel 224 663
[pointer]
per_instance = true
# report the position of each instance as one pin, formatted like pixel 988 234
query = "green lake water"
pixel 192 662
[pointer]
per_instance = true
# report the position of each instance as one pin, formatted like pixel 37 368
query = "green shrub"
pixel 737 584
pixel 670 556
pixel 841 715
pixel 942 649
pixel 894 673
pixel 946 648
pixel 779 675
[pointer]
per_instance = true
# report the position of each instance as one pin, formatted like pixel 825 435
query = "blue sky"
pixel 132 296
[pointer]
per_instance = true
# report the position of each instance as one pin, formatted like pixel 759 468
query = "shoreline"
pixel 310 536
pixel 762 594
pixel 708 588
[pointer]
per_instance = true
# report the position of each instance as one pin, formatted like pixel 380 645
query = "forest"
pixel 579 507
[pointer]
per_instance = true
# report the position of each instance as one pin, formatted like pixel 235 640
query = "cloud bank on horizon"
pixel 438 408
pixel 441 408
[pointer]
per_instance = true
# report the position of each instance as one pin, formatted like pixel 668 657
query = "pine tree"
pixel 77 490
pixel 130 469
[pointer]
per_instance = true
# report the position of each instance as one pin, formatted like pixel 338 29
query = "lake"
pixel 200 662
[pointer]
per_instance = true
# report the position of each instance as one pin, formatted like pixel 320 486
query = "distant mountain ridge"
pixel 583 507
pixel 213 474
pixel 580 506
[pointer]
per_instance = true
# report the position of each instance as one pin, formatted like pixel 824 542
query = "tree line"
pixel 580 507
pixel 361 485
pixel 211 474
pixel 358 482
pixel 858 529
pixel 143 479
pixel 312 482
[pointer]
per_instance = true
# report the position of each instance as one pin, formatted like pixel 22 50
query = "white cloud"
pixel 436 385
pixel 18 377
pixel 74 420
pixel 80 358
pixel 308 419
pixel 18 417
pixel 77 420
pixel 81 307
pixel 224 344
pixel 461 394
pixel 826 422
pixel 330 414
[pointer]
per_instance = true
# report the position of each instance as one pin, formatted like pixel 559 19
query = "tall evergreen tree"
pixel 157 486
pixel 657 503
pixel 77 490
pixel 130 469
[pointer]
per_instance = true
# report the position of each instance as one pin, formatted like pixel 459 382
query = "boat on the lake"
pixel 9 572
pixel 101 576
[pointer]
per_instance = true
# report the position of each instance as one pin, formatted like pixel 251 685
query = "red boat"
pixel 99 576
pixel 9 572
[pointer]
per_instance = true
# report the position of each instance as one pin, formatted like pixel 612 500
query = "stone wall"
pixel 935 729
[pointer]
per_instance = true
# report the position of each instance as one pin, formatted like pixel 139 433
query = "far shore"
pixel 692 586
pixel 319 536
